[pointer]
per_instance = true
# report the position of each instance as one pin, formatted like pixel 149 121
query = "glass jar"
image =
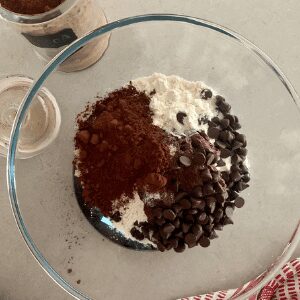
pixel 53 30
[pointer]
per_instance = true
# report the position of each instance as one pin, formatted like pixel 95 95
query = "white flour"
pixel 131 212
pixel 175 94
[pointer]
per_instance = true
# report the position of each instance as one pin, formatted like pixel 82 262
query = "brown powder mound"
pixel 120 149
pixel 30 7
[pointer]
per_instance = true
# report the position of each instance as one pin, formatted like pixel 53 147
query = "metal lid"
pixel 41 124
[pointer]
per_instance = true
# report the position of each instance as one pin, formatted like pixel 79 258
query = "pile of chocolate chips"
pixel 204 198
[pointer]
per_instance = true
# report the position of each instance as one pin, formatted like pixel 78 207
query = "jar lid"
pixel 41 124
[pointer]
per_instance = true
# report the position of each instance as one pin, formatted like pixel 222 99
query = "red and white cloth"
pixel 285 286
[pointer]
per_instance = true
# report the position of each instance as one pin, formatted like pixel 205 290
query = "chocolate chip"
pixel 169 214
pixel 242 186
pixel 208 189
pixel 203 219
pixel 185 227
pixel 219 100
pixel 224 123
pixel 236 159
pixel 192 211
pixel 225 194
pixel 168 228
pixel 212 124
pixel 213 132
pixel 211 204
pixel 242 151
pixel 180 116
pixel 197 191
pixel 185 203
pixel 229 211
pixel 196 143
pixel 239 202
pixel 223 106
pixel 227 221
pixel 213 235
pixel 206 94
pixel 215 177
pixel 180 196
pixel 184 160
pixel 218 227
pixel 228 136
pixel 168 245
pixel 180 248
pixel 137 234
pixel 241 138
pixel 196 203
pixel 173 242
pixel 177 208
pixel 216 120
pixel 160 221
pixel 233 195
pixel 244 168
pixel 210 219
pixel 116 217
pixel 218 215
pixel 197 230
pixel 206 175
pixel 225 176
pixel 220 144
pixel 204 241
pixel 199 158
pixel 189 218
pixel 179 234
pixel 157 212
pixel 231 118
pixel 218 187
pixel 210 158
pixel 190 239
pixel 246 178
pixel 225 153
pixel 236 126
pixel 177 223
pixel 160 247
pixel 237 145
pixel 220 198
pixel 208 228
pixel 221 163
pixel 235 176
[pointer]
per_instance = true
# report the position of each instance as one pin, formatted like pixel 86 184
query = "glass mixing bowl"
pixel 87 265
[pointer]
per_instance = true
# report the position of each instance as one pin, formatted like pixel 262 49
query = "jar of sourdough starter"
pixel 51 25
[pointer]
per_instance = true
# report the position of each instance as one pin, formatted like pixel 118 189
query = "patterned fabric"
pixel 285 286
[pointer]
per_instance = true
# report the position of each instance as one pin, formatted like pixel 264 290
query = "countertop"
pixel 272 25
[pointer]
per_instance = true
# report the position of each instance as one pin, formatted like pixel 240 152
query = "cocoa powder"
pixel 30 7
pixel 120 149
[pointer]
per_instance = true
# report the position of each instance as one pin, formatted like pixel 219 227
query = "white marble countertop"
pixel 272 25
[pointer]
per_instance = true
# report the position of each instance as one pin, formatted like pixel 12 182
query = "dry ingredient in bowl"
pixel 30 7
pixel 163 158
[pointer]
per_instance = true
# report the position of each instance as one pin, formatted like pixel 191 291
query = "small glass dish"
pixel 41 189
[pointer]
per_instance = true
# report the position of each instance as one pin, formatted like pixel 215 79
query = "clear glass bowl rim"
pixel 60 58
